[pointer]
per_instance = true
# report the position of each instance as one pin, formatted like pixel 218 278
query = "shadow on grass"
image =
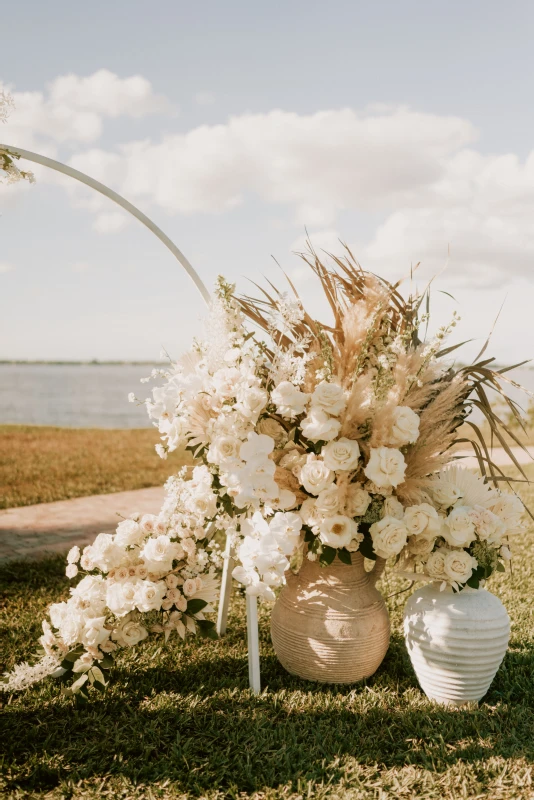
pixel 197 725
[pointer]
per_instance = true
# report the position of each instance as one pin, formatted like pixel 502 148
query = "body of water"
pixel 96 395
pixel 73 395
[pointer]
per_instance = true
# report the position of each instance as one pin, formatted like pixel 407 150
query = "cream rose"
pixel 444 493
pixel 422 519
pixel 435 565
pixel 337 531
pixel 489 527
pixel 149 595
pixel 129 633
pixel 329 397
pixel 270 427
pixel 327 502
pixel 224 448
pixel 357 500
pixel 389 536
pixel 315 475
pixel 405 428
pixel 459 529
pixel 393 508
pixel 318 426
pixel 309 513
pixel 421 546
pixel 342 454
pixel 159 553
pixel 459 566
pixel 386 467
pixel 289 401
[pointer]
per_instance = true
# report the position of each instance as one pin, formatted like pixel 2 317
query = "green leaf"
pixel 77 685
pixel 74 654
pixel 106 662
pixel 207 629
pixel 366 548
pixel 96 676
pixel 327 556
pixel 344 556
pixel 474 581
pixel 196 605
pixel 500 567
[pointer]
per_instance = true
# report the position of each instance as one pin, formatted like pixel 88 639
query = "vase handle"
pixel 378 568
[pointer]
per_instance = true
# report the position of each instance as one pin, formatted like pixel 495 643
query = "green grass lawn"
pixel 42 464
pixel 180 721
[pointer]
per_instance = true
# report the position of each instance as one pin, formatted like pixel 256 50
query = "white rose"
pixel 159 553
pixel 327 502
pixel 104 553
pixel 129 633
pixel 94 632
pixel 357 500
pixel 148 523
pixel 393 508
pixel 444 493
pixel 294 460
pixel 386 467
pixel 342 454
pixel 435 565
pixel 420 545
pixel 329 397
pixel 489 527
pixel 459 529
pixel 318 426
pixel 337 531
pixel 389 536
pixel 149 595
pixel 270 427
pixel 252 401
pixel 189 587
pixel 224 448
pixel 509 509
pixel 405 428
pixel 289 401
pixel 459 566
pixel 309 513
pixel 73 555
pixel 422 519
pixel 71 571
pixel 121 597
pixel 129 532
pixel 315 475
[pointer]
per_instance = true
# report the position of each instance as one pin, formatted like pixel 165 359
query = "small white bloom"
pixel 73 555
pixel 71 571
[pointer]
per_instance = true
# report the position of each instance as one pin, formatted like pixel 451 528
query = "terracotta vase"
pixel 456 641
pixel 331 624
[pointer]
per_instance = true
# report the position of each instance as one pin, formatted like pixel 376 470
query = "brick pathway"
pixel 33 531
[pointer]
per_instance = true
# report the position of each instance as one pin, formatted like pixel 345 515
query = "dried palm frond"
pixel 367 310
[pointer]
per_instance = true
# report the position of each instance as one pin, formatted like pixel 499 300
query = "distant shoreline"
pixel 92 363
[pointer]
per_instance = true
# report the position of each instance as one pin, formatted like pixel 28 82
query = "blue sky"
pixel 403 128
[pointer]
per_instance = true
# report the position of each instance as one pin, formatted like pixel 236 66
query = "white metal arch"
pixel 252 612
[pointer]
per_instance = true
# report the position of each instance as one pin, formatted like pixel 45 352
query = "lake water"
pixel 94 395
pixel 73 395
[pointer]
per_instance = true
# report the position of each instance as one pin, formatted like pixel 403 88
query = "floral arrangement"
pixel 320 440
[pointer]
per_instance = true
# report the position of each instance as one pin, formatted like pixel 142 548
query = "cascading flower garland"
pixel 326 440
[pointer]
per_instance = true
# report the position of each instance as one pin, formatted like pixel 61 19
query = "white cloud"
pixel 72 109
pixel 80 266
pixel 111 222
pixel 5 267
pixel 204 98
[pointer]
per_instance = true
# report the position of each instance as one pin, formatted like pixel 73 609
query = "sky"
pixel 404 129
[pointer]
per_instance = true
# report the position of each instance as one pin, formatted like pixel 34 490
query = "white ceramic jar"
pixel 456 641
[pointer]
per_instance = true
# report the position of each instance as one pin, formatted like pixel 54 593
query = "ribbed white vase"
pixel 456 641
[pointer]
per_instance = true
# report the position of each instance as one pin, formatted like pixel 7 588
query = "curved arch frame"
pixel 226 581
pixel 18 152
